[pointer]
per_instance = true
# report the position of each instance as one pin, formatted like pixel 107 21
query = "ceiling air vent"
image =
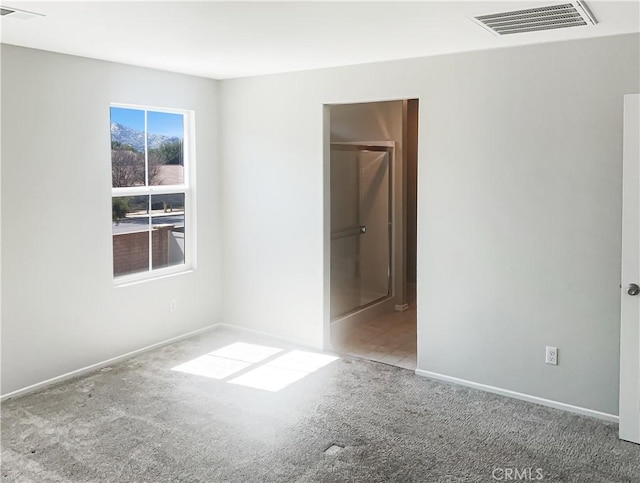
pixel 570 14
pixel 10 12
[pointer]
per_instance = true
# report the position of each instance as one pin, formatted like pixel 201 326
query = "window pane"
pixel 168 223
pixel 165 133
pixel 167 204
pixel 127 147
pixel 130 229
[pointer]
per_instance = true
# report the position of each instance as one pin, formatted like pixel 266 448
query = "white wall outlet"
pixel 172 305
pixel 551 356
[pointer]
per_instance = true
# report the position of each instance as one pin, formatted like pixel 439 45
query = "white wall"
pixel 60 310
pixel 518 209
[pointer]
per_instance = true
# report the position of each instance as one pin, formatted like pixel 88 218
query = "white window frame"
pixel 187 188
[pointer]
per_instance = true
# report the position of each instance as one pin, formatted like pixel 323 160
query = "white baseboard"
pixel 518 395
pixel 99 365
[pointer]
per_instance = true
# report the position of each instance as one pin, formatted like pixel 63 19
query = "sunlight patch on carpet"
pixel 256 366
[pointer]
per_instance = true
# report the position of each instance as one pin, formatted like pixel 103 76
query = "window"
pixel 151 206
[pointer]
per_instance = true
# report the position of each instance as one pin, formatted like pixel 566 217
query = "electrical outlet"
pixel 172 305
pixel 551 356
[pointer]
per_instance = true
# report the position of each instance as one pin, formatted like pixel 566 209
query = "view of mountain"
pixel 126 135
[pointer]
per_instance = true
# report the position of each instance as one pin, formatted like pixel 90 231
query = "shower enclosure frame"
pixel 388 147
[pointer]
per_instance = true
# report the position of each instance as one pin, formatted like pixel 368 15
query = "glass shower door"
pixel 360 227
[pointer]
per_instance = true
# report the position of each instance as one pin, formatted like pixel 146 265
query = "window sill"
pixel 138 278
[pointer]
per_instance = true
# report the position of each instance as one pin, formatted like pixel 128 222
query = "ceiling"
pixel 237 39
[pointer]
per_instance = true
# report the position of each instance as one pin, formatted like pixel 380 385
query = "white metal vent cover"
pixel 569 14
pixel 15 13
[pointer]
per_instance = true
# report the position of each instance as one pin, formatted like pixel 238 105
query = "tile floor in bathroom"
pixel 390 338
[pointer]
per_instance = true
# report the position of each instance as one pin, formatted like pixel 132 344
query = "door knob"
pixel 633 289
pixel 363 229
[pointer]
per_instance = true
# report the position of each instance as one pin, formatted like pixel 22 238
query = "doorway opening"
pixel 372 151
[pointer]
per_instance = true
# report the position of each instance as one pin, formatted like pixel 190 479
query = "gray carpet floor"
pixel 141 421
